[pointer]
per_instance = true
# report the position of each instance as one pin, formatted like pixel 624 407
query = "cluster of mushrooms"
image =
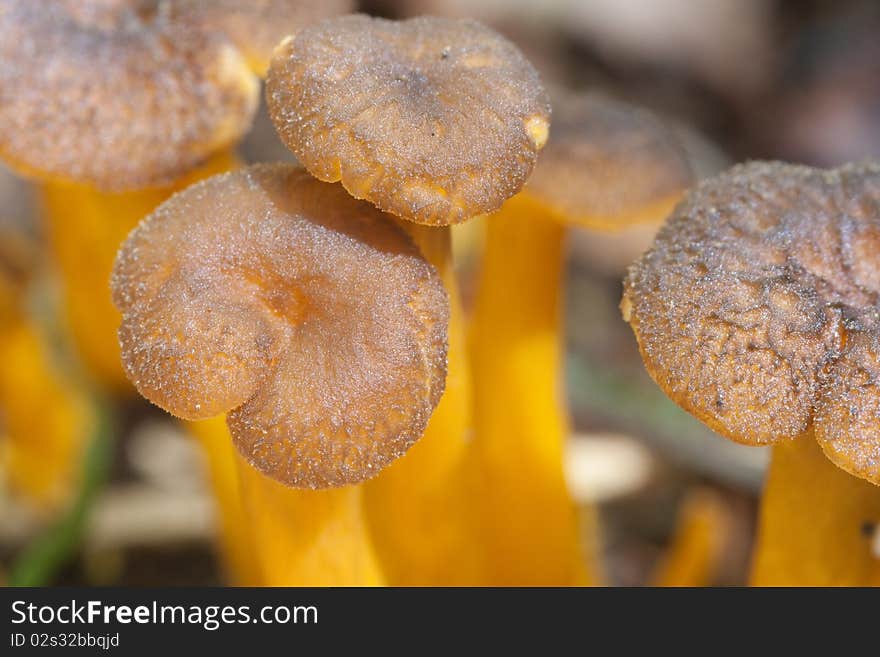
pixel 305 320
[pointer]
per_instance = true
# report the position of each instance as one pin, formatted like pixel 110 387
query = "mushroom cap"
pixel 431 119
pixel 609 165
pixel 758 308
pixel 125 103
pixel 257 26
pixel 307 316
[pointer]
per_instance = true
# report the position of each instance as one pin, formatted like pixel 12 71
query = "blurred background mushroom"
pixel 763 78
pixel 256 27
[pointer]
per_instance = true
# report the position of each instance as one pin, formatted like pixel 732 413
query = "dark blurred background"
pixel 761 79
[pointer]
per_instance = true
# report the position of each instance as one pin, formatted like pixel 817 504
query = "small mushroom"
pixel 307 317
pixel 606 166
pixel 757 311
pixel 433 120
pixel 312 321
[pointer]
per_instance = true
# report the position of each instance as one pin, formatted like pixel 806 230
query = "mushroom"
pixel 757 311
pixel 607 167
pixel 310 319
pixel 257 26
pixel 109 104
pixel 435 121
pixel 44 419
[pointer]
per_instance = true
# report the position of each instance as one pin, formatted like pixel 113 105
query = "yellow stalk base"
pixel 306 537
pixel 701 536
pixel 529 521
pixel 85 228
pixel 419 507
pixel 44 419
pixel 236 551
pixel 813 516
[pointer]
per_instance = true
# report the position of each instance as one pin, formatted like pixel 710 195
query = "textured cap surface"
pixel 127 102
pixel 431 119
pixel 758 307
pixel 307 316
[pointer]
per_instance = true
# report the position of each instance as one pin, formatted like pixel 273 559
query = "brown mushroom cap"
pixel 431 119
pixel 609 165
pixel 758 307
pixel 121 104
pixel 257 26
pixel 309 317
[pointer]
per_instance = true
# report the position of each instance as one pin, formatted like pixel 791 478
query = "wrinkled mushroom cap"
pixel 307 316
pixel 431 119
pixel 127 102
pixel 758 308
pixel 609 165
pixel 257 26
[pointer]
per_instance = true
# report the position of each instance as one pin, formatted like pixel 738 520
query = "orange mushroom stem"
pixel 529 519
pixel 607 167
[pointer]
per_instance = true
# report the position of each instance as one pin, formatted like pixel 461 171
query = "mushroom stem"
pixel 696 553
pixel 813 520
pixel 85 228
pixel 418 507
pixel 307 537
pixel 46 419
pixel 236 551
pixel 521 426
